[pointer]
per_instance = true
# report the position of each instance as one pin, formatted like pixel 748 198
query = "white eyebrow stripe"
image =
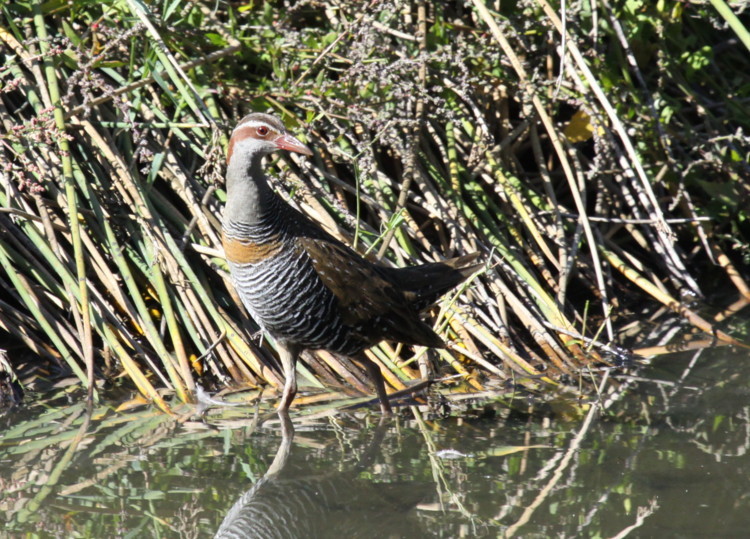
pixel 255 123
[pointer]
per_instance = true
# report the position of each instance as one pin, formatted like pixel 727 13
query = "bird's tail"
pixel 426 283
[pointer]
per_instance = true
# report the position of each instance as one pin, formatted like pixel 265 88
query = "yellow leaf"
pixel 138 400
pixel 580 128
pixel 197 365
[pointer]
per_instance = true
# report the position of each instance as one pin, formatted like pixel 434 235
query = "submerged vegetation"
pixel 602 172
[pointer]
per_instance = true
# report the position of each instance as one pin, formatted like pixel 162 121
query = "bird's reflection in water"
pixel 339 504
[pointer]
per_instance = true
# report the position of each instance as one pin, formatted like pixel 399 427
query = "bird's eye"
pixel 262 130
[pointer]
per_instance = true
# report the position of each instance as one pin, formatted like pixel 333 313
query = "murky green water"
pixel 667 458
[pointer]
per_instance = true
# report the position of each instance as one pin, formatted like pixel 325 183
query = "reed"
pixel 598 166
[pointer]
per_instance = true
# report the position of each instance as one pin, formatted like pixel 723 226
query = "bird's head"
pixel 259 134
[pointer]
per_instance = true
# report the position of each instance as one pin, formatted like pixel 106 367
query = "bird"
pixel 286 502
pixel 305 288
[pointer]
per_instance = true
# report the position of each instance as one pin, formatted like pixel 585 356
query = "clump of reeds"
pixel 439 129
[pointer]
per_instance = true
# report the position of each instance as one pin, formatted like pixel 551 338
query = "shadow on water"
pixel 666 454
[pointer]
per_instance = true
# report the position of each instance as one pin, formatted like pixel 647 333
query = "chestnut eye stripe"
pixel 249 130
pixel 254 126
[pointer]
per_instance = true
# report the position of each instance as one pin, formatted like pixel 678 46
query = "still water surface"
pixel 667 457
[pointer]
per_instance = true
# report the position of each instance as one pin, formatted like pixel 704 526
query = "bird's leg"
pixel 377 377
pixel 288 354
pixel 282 454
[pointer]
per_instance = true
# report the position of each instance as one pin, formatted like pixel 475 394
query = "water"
pixel 668 457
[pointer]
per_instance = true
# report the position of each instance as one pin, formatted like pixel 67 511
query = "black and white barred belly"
pixel 285 296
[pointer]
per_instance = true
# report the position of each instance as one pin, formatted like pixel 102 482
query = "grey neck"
pixel 248 192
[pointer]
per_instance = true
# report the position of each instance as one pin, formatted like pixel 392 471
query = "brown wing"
pixel 425 284
pixel 367 298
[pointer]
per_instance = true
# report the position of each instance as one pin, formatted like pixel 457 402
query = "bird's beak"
pixel 288 142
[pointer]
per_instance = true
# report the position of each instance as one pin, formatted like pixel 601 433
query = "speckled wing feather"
pixel 425 284
pixel 369 301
